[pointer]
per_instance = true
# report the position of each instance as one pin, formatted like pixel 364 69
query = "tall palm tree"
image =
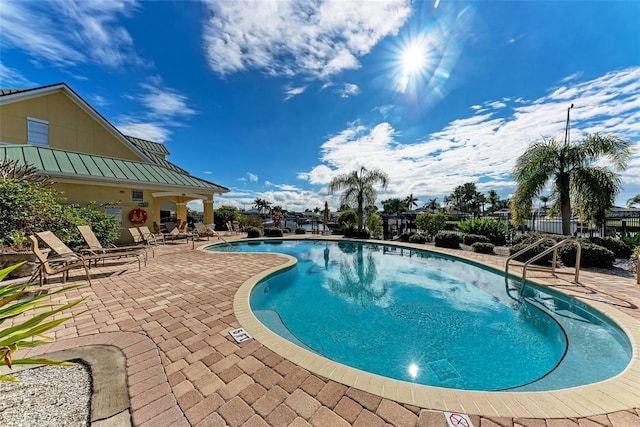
pixel 632 201
pixel 358 189
pixel 571 170
pixel 493 198
pixel 258 204
pixel 411 201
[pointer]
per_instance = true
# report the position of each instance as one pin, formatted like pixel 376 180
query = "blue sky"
pixel 274 98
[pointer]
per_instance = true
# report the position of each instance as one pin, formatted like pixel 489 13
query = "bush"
pixel 431 224
pixel 374 224
pixel 592 256
pixel 418 238
pixel 354 233
pixel 405 236
pixel 632 241
pixel 447 239
pixel 494 230
pixel 635 255
pixel 530 238
pixel 620 248
pixel 253 232
pixel 483 247
pixel 252 221
pixel 286 230
pixel 470 239
pixel 30 207
pixel 301 230
pixel 272 232
pixel 532 252
pixel 348 217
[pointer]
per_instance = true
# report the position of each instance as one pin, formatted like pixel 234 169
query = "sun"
pixel 413 58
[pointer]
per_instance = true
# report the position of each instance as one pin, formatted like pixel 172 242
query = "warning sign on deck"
pixel 240 335
pixel 458 420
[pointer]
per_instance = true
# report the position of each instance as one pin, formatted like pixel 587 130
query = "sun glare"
pixel 414 58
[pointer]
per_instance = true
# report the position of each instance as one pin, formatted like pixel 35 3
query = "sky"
pixel 272 99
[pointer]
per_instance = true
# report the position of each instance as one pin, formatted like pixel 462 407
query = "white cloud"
pixel 252 177
pixel 67 33
pixel 290 37
pixel 165 102
pixel 348 90
pixel 12 78
pixel 294 91
pixel 149 131
pixel 483 147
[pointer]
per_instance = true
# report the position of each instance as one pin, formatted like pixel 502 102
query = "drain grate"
pixel 443 370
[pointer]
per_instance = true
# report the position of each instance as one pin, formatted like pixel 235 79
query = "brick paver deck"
pixel 172 320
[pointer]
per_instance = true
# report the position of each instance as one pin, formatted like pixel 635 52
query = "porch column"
pixel 207 206
pixel 156 211
pixel 181 211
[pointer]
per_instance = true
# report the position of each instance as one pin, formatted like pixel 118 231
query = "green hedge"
pixel 494 230
pixel 470 239
pixel 301 230
pixel 253 232
pixel 617 246
pixel 406 235
pixel 272 232
pixel 592 256
pixel 447 239
pixel 483 247
pixel 418 238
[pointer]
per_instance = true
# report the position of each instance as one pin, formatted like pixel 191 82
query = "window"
pixel 137 195
pixel 37 131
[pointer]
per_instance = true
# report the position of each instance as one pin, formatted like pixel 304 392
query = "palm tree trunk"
pixel 565 204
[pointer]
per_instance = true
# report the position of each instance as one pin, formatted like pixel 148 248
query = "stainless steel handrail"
pixel 527 249
pixel 554 248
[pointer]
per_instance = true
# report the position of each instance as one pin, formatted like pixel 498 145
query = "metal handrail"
pixel 531 246
pixel 554 248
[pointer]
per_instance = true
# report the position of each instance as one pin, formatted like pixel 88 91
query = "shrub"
pixel 286 230
pixel 530 238
pixel 431 224
pixel 418 238
pixel 348 217
pixel 483 247
pixel 301 230
pixel 272 232
pixel 374 224
pixel 592 256
pixel 447 239
pixel 354 233
pixel 22 299
pixel 470 239
pixel 532 252
pixel 252 221
pixel 253 232
pixel 632 241
pixel 405 236
pixel 635 255
pixel 494 230
pixel 620 248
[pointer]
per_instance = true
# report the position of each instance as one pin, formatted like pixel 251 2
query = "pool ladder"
pixel 554 249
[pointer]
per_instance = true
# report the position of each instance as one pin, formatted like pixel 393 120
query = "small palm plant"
pixel 16 300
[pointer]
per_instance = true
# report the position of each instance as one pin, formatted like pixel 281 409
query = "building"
pixel 58 132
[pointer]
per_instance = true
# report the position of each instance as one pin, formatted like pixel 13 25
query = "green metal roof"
pixel 143 144
pixel 85 166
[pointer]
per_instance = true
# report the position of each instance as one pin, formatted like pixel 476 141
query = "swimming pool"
pixel 434 320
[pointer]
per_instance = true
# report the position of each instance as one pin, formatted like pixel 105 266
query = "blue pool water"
pixel 430 319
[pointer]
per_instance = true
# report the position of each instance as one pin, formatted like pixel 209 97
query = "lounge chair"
pixel 202 230
pixel 175 234
pixel 63 250
pixel 96 248
pixel 150 238
pixel 50 265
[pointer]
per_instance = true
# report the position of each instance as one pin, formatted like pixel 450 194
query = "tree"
pixel 411 201
pixel 258 204
pixel 632 201
pixel 493 199
pixel 359 189
pixel 573 175
pixel 391 206
pixel 432 204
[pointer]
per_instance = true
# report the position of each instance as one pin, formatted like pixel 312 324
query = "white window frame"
pixel 33 134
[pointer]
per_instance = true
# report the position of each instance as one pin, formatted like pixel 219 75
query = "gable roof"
pixel 69 164
pixel 155 152
pixel 9 96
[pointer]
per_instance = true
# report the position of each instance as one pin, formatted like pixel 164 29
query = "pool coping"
pixel 615 394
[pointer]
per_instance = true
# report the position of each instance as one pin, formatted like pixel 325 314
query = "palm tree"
pixel 632 201
pixel 493 199
pixel 358 189
pixel 258 204
pixel 393 205
pixel 411 201
pixel 432 204
pixel 544 199
pixel 571 169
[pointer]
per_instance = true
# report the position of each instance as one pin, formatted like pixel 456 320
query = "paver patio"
pixel 172 320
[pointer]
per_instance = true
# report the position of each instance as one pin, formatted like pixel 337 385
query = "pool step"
pixel 444 370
